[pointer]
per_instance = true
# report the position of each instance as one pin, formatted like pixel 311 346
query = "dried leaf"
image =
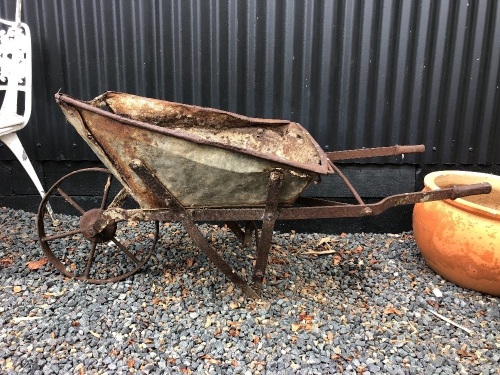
pixel 278 261
pixel 358 250
pixel 360 369
pixel 5 261
pixel 95 334
pixel 296 327
pixel 326 241
pixel 189 262
pixel 337 259
pixel 211 360
pixel 306 317
pixel 462 352
pixel 433 303
pixel 324 252
pixel 392 310
pixel 208 323
pixel 234 333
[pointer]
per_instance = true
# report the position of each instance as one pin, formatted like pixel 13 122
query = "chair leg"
pixel 12 141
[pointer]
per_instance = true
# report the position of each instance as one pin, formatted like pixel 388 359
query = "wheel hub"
pixel 87 221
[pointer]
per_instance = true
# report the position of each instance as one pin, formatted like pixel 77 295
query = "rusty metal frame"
pixel 268 215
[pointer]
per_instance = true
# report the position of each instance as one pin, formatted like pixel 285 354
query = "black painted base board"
pixel 373 181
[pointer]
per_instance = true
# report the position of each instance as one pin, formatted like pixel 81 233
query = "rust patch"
pixel 170 114
pixel 284 139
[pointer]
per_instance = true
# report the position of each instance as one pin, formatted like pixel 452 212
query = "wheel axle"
pixel 87 227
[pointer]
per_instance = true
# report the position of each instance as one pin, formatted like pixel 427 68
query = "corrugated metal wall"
pixel 355 73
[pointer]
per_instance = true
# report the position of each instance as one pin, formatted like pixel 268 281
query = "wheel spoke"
pixel 124 250
pixel 90 260
pixel 106 192
pixel 68 199
pixel 61 235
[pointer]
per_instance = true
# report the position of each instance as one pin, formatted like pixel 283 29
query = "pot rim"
pixel 494 180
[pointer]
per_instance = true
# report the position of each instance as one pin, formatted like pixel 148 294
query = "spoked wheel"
pixel 115 253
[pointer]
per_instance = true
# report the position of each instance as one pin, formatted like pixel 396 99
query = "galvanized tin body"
pixel 204 157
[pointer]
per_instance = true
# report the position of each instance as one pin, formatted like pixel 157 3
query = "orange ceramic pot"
pixel 460 239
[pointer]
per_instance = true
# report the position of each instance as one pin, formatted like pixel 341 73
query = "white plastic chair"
pixel 15 83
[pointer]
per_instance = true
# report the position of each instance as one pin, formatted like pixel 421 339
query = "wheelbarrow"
pixel 173 162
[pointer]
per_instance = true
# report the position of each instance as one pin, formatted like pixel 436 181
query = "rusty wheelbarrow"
pixel 174 162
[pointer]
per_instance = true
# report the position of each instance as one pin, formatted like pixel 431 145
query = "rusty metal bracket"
pixel 347 183
pixel 184 217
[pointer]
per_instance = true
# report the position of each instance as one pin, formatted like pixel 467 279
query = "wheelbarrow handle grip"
pixel 374 152
pixel 472 189
pixel 409 149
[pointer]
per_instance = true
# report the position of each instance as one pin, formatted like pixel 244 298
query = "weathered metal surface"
pixel 196 151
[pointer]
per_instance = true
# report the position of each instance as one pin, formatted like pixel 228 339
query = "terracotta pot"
pixel 460 239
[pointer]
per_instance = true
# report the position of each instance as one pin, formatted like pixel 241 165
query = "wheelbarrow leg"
pixel 186 220
pixel 214 257
pixel 245 237
pixel 268 222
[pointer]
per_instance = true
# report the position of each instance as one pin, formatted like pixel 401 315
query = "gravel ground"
pixel 364 308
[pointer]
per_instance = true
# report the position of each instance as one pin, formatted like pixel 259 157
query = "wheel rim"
pixel 119 251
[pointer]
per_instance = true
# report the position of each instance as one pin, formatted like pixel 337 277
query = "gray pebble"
pixel 366 313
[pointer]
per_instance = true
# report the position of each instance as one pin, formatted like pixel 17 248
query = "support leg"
pixel 270 215
pixel 245 237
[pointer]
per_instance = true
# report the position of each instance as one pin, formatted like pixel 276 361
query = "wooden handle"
pixel 374 152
